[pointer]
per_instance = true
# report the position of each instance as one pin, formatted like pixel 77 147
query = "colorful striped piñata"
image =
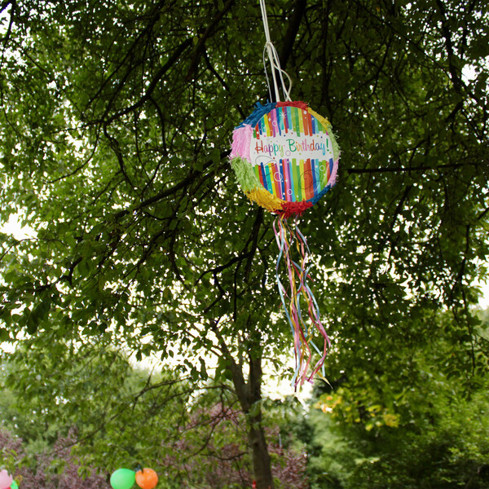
pixel 285 157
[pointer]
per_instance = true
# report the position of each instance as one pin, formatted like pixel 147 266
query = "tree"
pixel 83 421
pixel 111 413
pixel 115 128
pixel 411 427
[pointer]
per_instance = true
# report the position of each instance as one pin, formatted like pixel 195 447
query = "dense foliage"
pixel 75 426
pixel 418 429
pixel 115 124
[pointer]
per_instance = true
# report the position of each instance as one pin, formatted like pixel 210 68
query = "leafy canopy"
pixel 115 125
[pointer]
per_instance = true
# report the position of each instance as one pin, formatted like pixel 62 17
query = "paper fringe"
pixel 287 237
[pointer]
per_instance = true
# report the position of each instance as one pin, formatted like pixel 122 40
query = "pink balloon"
pixel 5 479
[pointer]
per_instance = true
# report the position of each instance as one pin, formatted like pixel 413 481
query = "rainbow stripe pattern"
pixel 288 151
pixel 293 180
pixel 285 119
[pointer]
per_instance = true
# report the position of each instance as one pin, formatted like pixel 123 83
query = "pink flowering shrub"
pixel 56 469
pixel 209 451
pixel 212 453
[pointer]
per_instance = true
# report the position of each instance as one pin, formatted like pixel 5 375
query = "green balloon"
pixel 123 479
pixel 14 485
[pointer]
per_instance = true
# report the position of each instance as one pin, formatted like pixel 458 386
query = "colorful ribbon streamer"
pixel 287 237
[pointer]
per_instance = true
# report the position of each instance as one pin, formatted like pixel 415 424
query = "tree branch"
pixel 400 169
pixel 200 48
pixel 453 70
pixel 154 83
pixel 299 10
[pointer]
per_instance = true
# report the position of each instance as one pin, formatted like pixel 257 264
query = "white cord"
pixel 274 61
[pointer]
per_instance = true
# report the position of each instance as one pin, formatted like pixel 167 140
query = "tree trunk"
pixel 262 468
pixel 249 395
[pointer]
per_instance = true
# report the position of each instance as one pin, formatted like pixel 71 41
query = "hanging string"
pixel 273 58
pixel 298 287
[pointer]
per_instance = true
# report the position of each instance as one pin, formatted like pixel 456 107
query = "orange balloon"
pixel 146 478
